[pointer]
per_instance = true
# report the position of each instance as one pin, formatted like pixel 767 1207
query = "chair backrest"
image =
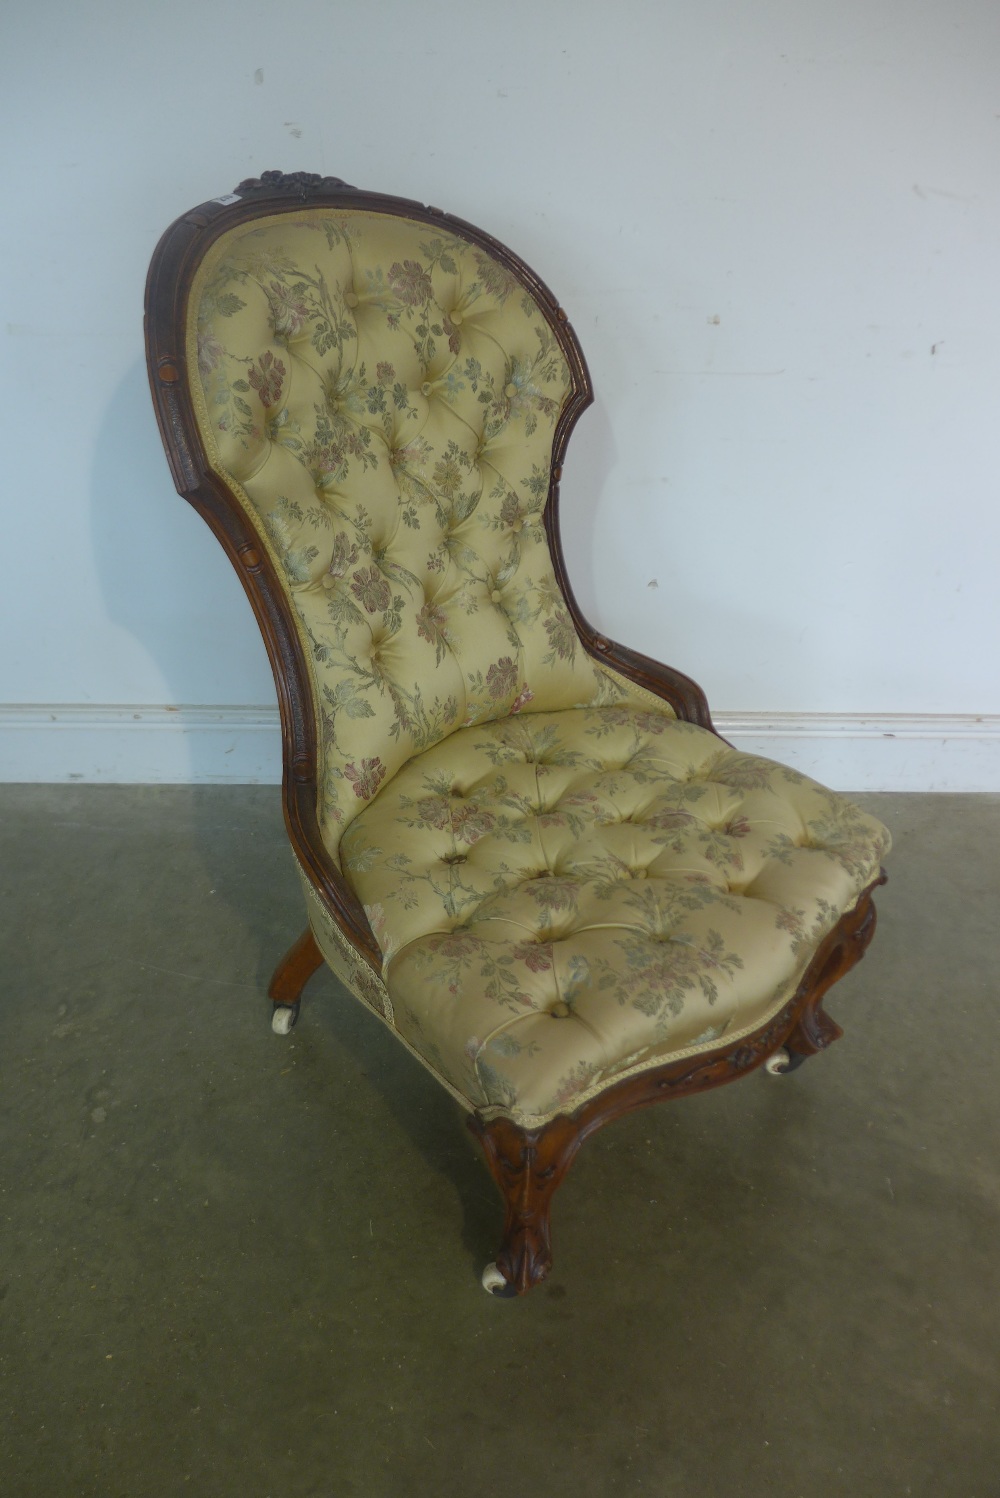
pixel 385 392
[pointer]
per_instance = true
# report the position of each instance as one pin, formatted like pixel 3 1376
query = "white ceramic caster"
pixel 779 1063
pixel 493 1280
pixel 284 1017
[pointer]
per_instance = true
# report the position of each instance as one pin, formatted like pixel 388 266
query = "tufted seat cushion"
pixel 564 898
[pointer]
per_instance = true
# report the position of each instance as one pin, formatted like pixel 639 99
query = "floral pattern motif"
pixel 624 873
pixel 266 377
pixel 371 589
pixel 387 399
pixel 565 882
pixel 366 779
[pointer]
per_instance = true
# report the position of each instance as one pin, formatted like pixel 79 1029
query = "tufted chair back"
pixel 384 394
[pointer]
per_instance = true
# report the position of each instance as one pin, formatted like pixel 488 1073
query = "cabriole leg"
pixel 527 1166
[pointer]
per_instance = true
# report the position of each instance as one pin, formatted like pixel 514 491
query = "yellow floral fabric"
pixel 385 399
pixel 342 956
pixel 567 883
pixel 564 898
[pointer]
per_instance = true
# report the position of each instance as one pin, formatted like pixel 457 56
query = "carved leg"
pixel 815 1030
pixel 290 978
pixel 527 1166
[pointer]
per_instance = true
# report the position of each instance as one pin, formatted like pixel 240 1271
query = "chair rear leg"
pixel 290 978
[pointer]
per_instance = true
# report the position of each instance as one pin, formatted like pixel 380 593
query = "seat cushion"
pixel 568 897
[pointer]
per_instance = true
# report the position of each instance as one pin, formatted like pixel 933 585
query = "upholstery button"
pixel 455 316
pixel 329 581
pixel 544 874
pixel 496 595
pixel 425 388
pixel 639 873
pixel 518 524
pixel 560 1011
pixel 510 391
pixel 351 298
pixel 456 858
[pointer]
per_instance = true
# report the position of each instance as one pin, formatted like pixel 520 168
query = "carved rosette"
pixel 303 184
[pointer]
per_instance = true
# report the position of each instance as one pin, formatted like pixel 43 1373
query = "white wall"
pixel 776 229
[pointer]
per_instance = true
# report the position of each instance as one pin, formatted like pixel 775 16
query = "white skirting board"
pixel 241 745
pixel 140 745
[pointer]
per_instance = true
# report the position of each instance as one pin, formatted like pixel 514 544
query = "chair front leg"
pixel 527 1165
pixel 814 1029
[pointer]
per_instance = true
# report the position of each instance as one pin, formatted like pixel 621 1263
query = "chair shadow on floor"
pixel 430 1118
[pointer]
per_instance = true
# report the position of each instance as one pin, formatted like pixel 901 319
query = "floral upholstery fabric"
pixel 563 898
pixel 567 883
pixel 385 400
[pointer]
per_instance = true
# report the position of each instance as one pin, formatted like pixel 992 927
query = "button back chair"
pixel 522 846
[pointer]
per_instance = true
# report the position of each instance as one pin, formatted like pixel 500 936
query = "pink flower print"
pixel 501 679
pixel 410 282
pixel 470 822
pixel 432 626
pixel 267 378
pixel 738 827
pixel 510 509
pixel 367 780
pixel 536 956
pixel 371 589
pixel 435 811
pixel 453 333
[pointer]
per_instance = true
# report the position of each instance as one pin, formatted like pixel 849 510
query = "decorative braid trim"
pixel 347 963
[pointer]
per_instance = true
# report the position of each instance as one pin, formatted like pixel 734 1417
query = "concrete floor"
pixel 236 1265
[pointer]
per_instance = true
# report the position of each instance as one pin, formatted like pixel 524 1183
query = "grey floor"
pixel 236 1265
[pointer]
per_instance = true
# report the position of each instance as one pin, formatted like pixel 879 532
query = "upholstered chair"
pixel 522 846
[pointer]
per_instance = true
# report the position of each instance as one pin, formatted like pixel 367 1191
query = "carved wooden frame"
pixel 527 1165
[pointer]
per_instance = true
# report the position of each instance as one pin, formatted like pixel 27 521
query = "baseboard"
pixel 140 745
pixel 877 752
pixel 241 745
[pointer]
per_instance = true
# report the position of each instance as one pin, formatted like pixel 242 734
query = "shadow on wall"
pixel 162 573
pixel 700 625
pixel 591 458
pixel 165 579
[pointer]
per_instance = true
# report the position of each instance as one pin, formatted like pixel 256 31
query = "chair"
pixel 521 845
